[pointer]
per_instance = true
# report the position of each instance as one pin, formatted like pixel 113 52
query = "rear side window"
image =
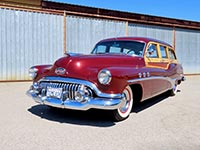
pixel 163 51
pixel 171 54
pixel 152 51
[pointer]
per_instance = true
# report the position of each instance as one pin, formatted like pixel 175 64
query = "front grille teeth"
pixel 69 89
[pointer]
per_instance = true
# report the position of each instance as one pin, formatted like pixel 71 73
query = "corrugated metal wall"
pixel 26 39
pixel 188 49
pixel 31 38
pixel 157 32
pixel 83 33
pixel 187 43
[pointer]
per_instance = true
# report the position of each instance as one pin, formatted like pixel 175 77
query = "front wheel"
pixel 125 109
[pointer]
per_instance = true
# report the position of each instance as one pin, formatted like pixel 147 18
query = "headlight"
pixel 33 72
pixel 104 76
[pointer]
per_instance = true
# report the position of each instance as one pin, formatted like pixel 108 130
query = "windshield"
pixel 132 48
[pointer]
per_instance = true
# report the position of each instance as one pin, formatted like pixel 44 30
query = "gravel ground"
pixel 161 123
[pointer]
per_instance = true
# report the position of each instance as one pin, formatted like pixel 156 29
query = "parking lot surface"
pixel 161 123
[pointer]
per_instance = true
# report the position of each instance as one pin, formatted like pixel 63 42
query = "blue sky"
pixel 179 9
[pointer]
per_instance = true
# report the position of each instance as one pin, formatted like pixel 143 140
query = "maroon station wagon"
pixel 117 74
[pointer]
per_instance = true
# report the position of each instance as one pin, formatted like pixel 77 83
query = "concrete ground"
pixel 161 123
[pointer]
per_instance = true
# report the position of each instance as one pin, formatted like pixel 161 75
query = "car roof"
pixel 139 39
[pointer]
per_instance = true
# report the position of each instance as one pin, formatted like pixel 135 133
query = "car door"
pixel 157 61
pixel 156 56
pixel 152 56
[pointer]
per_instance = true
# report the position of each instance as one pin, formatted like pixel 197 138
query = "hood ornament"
pixel 60 71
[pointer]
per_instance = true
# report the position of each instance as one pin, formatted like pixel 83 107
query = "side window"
pixel 171 54
pixel 100 49
pixel 115 50
pixel 152 51
pixel 163 51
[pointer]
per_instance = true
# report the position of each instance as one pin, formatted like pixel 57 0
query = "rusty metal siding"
pixel 26 39
pixel 84 33
pixel 188 50
pixel 157 32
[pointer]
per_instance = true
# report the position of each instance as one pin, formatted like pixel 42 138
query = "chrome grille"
pixel 68 88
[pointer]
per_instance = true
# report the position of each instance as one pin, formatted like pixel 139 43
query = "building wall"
pixel 30 38
pixel 83 33
pixel 22 2
pixel 157 32
pixel 188 50
pixel 187 43
pixel 26 39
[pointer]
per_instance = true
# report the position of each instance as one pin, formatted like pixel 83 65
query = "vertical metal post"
pixel 127 28
pixel 174 38
pixel 64 33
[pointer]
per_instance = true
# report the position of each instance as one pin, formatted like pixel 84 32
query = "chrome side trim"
pixel 78 81
pixel 172 81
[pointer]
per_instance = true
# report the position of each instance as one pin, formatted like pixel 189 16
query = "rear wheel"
pixel 125 109
pixel 174 90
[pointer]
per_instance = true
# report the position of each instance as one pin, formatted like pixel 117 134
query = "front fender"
pixel 120 77
pixel 42 69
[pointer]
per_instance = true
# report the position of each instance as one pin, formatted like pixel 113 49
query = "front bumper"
pixel 101 101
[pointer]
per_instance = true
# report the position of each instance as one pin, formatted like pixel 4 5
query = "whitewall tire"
pixel 125 109
pixel 174 90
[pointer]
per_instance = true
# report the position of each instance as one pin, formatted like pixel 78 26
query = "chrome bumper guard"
pixel 102 101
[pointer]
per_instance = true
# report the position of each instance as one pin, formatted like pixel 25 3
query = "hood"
pixel 86 66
